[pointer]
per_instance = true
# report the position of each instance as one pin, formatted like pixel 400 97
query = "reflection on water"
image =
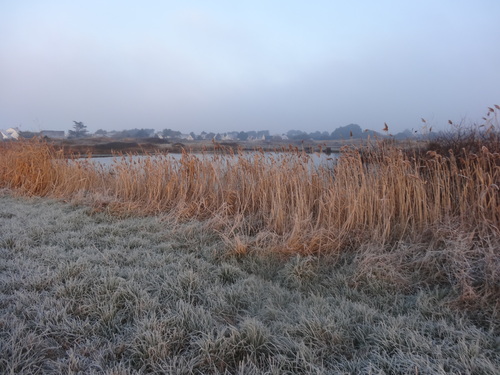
pixel 315 159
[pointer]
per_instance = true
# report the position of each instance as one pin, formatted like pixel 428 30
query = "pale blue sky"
pixel 245 65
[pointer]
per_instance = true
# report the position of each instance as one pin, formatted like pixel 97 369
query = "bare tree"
pixel 80 130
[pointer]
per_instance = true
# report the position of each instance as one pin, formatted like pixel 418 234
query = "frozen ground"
pixel 82 293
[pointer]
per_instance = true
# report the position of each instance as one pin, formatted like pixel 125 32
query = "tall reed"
pixel 381 195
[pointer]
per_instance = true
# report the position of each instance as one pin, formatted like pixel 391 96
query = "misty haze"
pixel 222 67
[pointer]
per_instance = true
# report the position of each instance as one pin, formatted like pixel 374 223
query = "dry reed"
pixel 380 195
pixel 386 196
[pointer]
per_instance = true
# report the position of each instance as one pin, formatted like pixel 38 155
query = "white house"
pixel 13 132
pixel 10 133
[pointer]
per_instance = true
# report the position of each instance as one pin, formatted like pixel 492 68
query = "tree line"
pixel 344 132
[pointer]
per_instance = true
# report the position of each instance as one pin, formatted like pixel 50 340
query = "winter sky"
pixel 247 65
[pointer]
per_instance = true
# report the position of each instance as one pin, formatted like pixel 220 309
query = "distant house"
pixel 257 138
pixel 187 137
pixel 55 134
pixel 229 137
pixel 28 134
pixel 10 133
pixel 13 132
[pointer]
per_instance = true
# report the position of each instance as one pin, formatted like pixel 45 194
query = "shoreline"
pixel 105 147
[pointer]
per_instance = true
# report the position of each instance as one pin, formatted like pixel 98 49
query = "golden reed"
pixel 401 212
pixel 381 194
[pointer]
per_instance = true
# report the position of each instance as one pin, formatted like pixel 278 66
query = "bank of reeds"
pixel 382 196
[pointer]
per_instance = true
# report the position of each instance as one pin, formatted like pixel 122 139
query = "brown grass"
pixel 382 196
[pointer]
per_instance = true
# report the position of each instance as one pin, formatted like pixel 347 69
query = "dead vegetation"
pixel 88 293
pixel 375 197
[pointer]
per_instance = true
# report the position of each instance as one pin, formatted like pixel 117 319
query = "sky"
pixel 242 65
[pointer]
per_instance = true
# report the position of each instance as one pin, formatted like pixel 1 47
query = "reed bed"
pixel 383 196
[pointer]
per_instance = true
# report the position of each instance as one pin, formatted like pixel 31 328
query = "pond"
pixel 315 159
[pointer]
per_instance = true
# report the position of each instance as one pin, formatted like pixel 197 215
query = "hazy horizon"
pixel 223 66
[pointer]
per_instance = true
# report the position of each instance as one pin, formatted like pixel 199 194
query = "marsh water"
pixel 315 159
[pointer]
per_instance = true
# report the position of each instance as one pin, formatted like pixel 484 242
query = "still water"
pixel 315 159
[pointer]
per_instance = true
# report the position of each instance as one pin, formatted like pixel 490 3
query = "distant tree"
pixel 407 134
pixel 101 132
pixel 80 130
pixel 297 134
pixel 348 131
pixel 316 135
pixel 242 136
pixel 143 133
pixel 263 133
pixel 319 136
pixel 169 133
pixel 252 134
pixel 134 133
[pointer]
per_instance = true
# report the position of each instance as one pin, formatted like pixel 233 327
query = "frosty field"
pixel 85 292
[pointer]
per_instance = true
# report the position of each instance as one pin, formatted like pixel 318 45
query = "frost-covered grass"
pixel 92 294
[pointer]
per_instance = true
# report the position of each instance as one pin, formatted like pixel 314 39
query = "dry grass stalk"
pixel 380 195
pixel 384 195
